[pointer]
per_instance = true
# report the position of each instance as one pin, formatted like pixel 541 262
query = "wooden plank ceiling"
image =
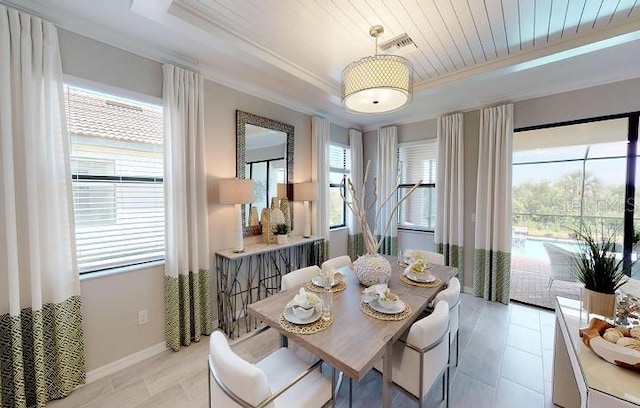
pixel 323 36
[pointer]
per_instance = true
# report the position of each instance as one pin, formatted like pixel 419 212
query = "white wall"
pixel 99 62
pixel 609 99
pixel 338 240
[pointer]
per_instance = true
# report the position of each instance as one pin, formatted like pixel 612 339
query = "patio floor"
pixel 530 280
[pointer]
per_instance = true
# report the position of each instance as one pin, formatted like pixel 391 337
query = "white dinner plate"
pixel 421 279
pixel 318 281
pixel 377 307
pixel 288 314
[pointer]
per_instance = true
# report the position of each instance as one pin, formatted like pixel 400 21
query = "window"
pixel 417 161
pixel 339 167
pixel 266 174
pixel 117 177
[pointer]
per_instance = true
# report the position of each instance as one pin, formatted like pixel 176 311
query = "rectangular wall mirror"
pixel 264 153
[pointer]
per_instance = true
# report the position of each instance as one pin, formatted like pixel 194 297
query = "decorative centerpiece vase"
pixel 372 268
pixel 253 217
pixel 267 226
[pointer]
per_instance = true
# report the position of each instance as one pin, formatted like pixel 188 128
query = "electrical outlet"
pixel 143 317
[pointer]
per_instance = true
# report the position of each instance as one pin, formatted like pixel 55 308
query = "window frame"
pixel 406 227
pixel 343 186
pixel 134 98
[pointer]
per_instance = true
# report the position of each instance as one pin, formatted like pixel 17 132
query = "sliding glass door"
pixel 566 178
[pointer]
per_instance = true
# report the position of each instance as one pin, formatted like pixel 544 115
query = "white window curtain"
pixel 492 258
pixel 187 291
pixel 355 244
pixel 41 338
pixel 387 179
pixel 320 134
pixel 449 231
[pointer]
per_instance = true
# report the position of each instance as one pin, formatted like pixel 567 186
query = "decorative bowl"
pixel 592 337
pixel 390 302
pixel 303 313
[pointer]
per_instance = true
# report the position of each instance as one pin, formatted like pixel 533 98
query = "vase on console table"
pixel 371 268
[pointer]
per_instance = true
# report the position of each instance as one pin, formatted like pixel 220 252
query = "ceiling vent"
pixel 402 44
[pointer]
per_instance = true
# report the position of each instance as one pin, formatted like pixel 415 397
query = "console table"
pixel 246 277
pixel 580 377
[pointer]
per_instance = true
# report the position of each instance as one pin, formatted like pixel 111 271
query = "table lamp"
pixel 305 192
pixel 237 192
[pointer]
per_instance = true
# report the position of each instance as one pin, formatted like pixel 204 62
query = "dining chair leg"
pixel 444 383
pixel 350 392
pixel 448 389
pixel 209 385
pixel 457 348
pixel 334 389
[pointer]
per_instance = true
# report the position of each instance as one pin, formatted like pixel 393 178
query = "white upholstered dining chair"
pixel 337 262
pixel 452 296
pixel 290 280
pixel 298 277
pixel 280 380
pixel 431 257
pixel 420 359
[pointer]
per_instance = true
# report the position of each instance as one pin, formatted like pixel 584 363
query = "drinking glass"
pixel 327 295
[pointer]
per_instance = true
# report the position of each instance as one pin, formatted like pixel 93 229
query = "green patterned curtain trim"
pixel 389 245
pixel 355 246
pixel 41 354
pixel 187 306
pixel 453 256
pixel 491 277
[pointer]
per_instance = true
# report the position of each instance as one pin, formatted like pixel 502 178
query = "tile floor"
pixel 505 361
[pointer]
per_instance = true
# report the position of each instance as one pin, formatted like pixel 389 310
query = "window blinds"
pixel 418 162
pixel 117 175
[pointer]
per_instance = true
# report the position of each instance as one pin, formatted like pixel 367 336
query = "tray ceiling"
pixel 468 52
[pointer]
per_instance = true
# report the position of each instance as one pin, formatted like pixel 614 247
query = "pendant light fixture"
pixel 377 84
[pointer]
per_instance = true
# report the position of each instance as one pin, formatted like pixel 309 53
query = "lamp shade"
pixel 377 84
pixel 236 191
pixel 305 191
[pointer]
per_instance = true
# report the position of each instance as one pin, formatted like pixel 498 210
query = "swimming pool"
pixel 533 248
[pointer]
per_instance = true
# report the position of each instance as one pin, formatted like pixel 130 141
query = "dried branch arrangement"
pixel 359 207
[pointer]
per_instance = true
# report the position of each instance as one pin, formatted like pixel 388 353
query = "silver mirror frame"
pixel 244 118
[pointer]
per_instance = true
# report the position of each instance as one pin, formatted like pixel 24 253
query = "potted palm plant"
pixel 599 270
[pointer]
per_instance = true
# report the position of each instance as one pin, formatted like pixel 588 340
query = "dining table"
pixel 354 342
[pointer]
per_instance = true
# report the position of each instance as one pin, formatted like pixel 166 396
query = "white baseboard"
pixel 111 368
pixel 467 289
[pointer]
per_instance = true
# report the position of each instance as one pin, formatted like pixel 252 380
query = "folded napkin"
pixel 304 300
pixel 379 291
pixel 332 272
pixel 417 267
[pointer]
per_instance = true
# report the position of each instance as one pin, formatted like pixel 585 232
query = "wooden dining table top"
pixel 355 341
